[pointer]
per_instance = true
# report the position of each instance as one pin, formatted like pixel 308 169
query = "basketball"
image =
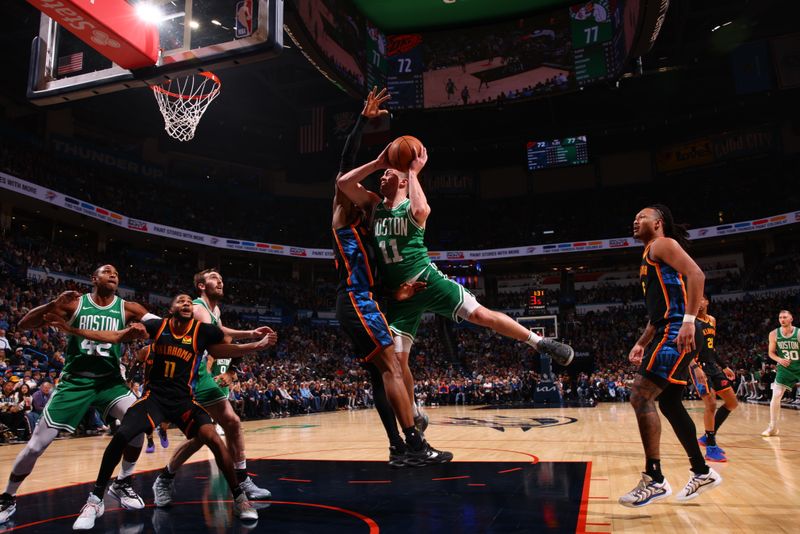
pixel 401 152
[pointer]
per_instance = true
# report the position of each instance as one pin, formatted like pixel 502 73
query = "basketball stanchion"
pixel 182 102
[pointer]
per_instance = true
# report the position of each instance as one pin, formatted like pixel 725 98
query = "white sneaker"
pixel 220 431
pixel 646 492
pixel 93 509
pixel 8 505
pixel 254 492
pixel 770 432
pixel 243 509
pixel 698 484
pixel 123 492
pixel 162 491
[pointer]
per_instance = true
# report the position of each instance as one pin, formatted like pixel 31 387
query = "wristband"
pixel 689 318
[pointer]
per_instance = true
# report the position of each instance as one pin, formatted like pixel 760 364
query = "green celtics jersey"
pixel 220 365
pixel 90 358
pixel 789 348
pixel 401 252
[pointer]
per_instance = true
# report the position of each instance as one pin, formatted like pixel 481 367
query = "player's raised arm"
pixel 63 306
pixel 230 350
pixel 372 109
pixel 420 209
pixel 134 331
pixel 350 182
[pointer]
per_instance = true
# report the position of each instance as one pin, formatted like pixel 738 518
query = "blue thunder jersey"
pixel 664 290
pixel 353 258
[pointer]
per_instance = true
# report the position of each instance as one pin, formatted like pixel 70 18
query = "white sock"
pixel 126 469
pixel 240 465
pixel 533 339
pixel 416 409
pixel 775 406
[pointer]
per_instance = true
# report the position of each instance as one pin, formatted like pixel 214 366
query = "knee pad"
pixel 402 344
pixel 469 305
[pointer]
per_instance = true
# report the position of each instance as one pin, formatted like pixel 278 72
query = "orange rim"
pixel 210 75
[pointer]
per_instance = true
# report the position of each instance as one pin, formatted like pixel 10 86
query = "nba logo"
pixel 244 18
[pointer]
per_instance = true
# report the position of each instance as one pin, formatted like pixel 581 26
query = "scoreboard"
pixel 557 153
pixel 597 48
pixel 536 300
pixel 404 71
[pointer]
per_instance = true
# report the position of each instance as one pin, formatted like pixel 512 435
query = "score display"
pixel 536 300
pixel 557 153
pixel 404 71
pixel 595 44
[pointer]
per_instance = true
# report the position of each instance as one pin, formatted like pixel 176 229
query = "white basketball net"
pixel 183 101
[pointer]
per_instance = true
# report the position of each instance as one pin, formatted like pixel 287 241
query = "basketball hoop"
pixel 183 101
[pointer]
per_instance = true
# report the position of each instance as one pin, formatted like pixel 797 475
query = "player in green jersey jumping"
pixel 211 393
pixel 91 378
pixel 784 348
pixel 398 234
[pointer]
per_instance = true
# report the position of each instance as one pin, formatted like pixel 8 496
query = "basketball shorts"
pixel 441 296
pixel 787 376
pixel 663 363
pixel 154 408
pixel 362 321
pixel 715 379
pixel 74 394
pixel 207 391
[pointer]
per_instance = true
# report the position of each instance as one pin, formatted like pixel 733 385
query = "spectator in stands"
pixel 12 413
pixel 38 402
pixel 5 346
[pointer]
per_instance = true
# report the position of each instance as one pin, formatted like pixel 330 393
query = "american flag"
pixel 311 137
pixel 70 63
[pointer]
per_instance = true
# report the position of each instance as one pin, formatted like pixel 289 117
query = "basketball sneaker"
pixel 162 491
pixel 561 353
pixel 703 443
pixel 715 454
pixel 162 435
pixel 427 456
pixel 646 492
pixel 243 509
pixel 122 490
pixel 698 484
pixel 93 509
pixel 151 447
pixel 770 431
pixel 421 421
pixel 254 492
pixel 397 457
pixel 8 505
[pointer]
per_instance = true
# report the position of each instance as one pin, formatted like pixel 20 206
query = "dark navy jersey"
pixel 353 257
pixel 664 290
pixel 707 352
pixel 175 357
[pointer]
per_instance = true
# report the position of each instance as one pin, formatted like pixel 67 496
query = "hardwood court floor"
pixel 760 491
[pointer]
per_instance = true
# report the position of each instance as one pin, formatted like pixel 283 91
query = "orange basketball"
pixel 400 152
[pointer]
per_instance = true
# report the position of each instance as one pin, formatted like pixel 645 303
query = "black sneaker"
pixel 427 456
pixel 8 505
pixel 397 457
pixel 561 353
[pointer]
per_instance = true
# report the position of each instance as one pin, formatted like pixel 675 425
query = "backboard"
pixel 194 36
pixel 544 325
